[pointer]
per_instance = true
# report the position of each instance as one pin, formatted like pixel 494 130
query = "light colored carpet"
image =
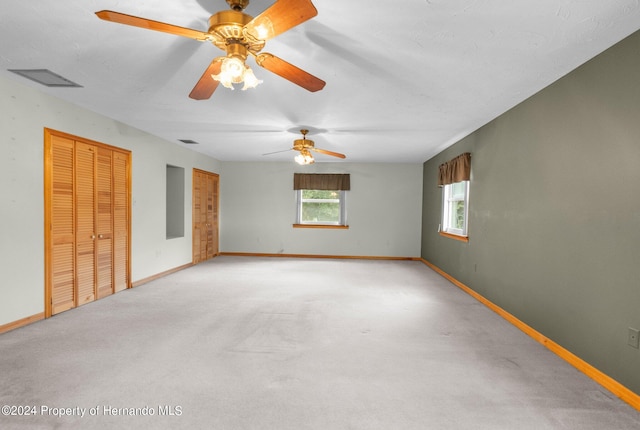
pixel 275 343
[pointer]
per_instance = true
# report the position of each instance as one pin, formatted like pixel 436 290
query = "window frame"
pixel 342 221
pixel 447 203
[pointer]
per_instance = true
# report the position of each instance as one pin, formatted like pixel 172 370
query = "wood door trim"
pixel 52 132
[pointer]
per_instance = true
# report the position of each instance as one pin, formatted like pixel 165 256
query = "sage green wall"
pixel 554 221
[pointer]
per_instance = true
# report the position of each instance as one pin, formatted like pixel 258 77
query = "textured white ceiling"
pixel 405 79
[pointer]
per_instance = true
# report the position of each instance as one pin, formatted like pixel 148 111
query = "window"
pixel 321 207
pixel 453 177
pixel 321 199
pixel 455 208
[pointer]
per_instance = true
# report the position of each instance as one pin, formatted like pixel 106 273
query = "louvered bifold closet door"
pixel 120 221
pixel 85 174
pixel 212 216
pixel 204 224
pixel 205 215
pixel 104 224
pixel 199 217
pixel 62 253
pixel 195 218
pixel 208 180
pixel 87 210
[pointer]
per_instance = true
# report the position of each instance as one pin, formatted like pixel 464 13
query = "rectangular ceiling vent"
pixel 45 77
pixel 188 141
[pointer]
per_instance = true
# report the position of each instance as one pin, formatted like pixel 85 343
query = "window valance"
pixel 455 170
pixel 321 181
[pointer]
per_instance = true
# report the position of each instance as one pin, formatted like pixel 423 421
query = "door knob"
pixel 100 236
pixel 93 236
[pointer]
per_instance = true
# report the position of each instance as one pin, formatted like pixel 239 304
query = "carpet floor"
pixel 277 343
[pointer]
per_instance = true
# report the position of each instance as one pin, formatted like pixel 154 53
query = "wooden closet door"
pixel 199 218
pixel 212 215
pixel 120 221
pixel 61 252
pixel 104 223
pixel 205 215
pixel 85 209
pixel 87 221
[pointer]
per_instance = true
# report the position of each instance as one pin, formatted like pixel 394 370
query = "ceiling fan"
pixel 305 146
pixel 239 35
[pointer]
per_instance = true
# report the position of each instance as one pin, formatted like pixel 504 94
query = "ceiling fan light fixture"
pixel 304 157
pixel 234 71
pixel 250 80
pixel 225 80
pixel 234 68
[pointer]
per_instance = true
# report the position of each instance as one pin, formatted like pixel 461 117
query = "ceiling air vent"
pixel 45 77
pixel 188 141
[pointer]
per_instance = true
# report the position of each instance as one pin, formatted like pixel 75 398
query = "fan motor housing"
pixel 299 144
pixel 230 25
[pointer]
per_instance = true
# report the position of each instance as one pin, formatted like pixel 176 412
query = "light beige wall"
pixel 383 210
pixel 384 206
pixel 24 113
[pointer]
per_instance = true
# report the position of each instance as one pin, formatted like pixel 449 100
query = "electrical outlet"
pixel 633 337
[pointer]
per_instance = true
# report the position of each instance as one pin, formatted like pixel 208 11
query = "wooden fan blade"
pixel 121 18
pixel 207 85
pixel 280 17
pixel 278 152
pixel 290 72
pixel 324 151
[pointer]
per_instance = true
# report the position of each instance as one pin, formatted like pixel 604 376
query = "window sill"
pixel 455 236
pixel 339 227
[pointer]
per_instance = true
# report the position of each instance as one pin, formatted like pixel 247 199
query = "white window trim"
pixel 342 199
pixel 446 207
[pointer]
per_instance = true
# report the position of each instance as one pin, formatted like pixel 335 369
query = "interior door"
pixel 87 220
pixel 196 215
pixel 85 208
pixel 60 252
pixel 120 221
pixel 205 215
pixel 104 224
pixel 212 215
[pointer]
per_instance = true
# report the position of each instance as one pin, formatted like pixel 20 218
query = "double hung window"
pixel 455 208
pixel 453 177
pixel 321 207
pixel 321 199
